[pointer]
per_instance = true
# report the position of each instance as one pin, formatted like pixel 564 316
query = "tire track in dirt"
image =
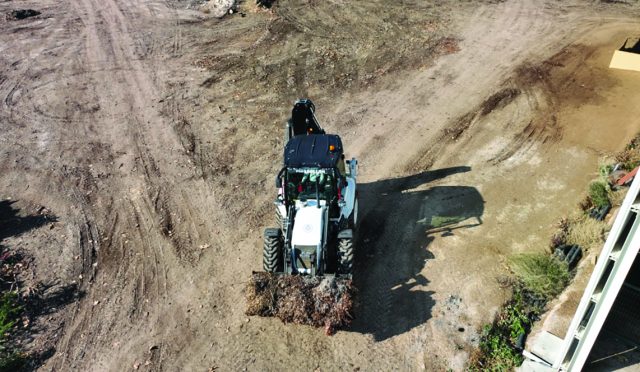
pixel 158 274
pixel 25 73
pixel 489 50
pixel 108 45
pixel 159 210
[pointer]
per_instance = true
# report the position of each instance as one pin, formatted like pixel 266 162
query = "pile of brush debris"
pixel 319 302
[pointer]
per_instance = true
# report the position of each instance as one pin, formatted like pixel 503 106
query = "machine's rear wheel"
pixel 272 251
pixel 345 255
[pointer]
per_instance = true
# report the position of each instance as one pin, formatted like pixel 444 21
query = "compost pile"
pixel 319 302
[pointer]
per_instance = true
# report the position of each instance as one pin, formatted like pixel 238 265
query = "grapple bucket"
pixel 325 301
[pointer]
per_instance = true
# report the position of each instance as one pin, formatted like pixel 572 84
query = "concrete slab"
pixel 531 366
pixel 627 57
pixel 625 61
pixel 547 347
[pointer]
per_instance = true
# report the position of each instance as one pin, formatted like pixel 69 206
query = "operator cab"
pixel 317 151
pixel 311 169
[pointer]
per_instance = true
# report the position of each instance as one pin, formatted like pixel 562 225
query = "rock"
pixel 219 8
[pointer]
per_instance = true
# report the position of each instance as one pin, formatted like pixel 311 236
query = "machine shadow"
pixel 11 224
pixel 631 46
pixel 44 299
pixel 396 226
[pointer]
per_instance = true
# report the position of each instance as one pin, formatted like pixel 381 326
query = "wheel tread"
pixel 345 256
pixel 271 254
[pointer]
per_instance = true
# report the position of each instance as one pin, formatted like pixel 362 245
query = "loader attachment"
pixel 316 301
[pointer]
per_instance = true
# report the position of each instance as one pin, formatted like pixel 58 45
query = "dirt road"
pixel 152 134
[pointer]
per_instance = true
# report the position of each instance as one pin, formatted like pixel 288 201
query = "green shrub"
pixel 497 351
pixel 604 170
pixel 599 194
pixel 10 359
pixel 9 310
pixel 543 275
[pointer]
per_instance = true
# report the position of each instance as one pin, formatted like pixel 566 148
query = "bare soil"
pixel 152 132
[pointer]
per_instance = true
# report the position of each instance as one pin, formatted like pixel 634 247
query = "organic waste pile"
pixel 319 302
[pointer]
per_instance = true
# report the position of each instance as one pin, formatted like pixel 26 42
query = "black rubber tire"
pixel 279 219
pixel 272 254
pixel 345 256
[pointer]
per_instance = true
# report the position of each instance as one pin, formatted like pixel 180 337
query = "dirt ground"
pixel 140 140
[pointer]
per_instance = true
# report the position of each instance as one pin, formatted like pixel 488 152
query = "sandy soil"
pixel 151 133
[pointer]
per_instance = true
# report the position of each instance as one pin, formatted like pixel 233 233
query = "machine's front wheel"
pixel 272 259
pixel 345 256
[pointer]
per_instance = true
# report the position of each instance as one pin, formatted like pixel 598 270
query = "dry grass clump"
pixel 580 230
pixel 617 196
pixel 319 302
pixel 585 232
pixel 544 275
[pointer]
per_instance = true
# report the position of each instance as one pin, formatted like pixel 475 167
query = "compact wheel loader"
pixel 317 204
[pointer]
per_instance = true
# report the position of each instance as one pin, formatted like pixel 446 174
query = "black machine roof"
pixel 313 151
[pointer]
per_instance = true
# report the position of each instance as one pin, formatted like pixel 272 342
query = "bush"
pixel 543 275
pixel 630 157
pixel 604 170
pixel 497 350
pixel 497 353
pixel 9 310
pixel 10 359
pixel 585 232
pixel 617 196
pixel 585 204
pixel 599 194
pixel 540 277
